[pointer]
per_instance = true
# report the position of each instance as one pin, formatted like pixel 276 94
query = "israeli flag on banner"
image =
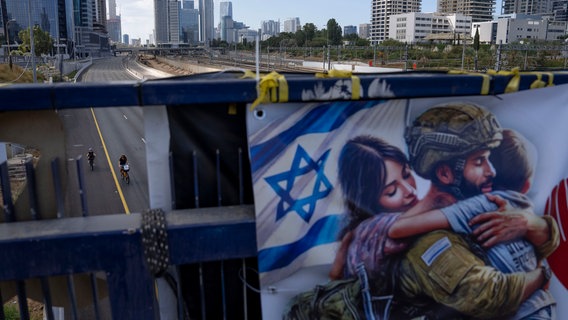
pixel 294 150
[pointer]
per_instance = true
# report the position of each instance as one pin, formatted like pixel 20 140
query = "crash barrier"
pixel 198 230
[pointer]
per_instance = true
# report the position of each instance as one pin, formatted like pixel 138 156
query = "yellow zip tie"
pixel 550 76
pixel 272 84
pixel 513 85
pixel 248 75
pixel 538 83
pixel 355 80
pixel 486 79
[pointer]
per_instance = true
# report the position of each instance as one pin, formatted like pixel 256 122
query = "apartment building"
pixel 382 10
pixel 415 27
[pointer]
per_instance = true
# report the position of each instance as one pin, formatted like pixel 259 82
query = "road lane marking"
pixel 124 204
pixel 124 116
pixel 143 140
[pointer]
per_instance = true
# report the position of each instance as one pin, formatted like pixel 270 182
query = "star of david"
pixel 283 183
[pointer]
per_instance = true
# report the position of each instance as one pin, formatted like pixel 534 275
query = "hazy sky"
pixel 138 15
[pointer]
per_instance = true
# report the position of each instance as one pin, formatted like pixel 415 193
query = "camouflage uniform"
pixel 440 265
pixel 441 268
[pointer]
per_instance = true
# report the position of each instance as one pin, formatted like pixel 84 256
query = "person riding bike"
pixel 91 157
pixel 121 162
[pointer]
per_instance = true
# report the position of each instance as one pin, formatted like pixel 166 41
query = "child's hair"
pixel 514 161
pixel 362 176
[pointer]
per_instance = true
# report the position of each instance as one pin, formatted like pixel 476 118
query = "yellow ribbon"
pixel 355 81
pixel 513 85
pixel 539 83
pixel 271 88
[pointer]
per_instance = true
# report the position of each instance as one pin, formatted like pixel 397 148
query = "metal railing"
pixel 211 249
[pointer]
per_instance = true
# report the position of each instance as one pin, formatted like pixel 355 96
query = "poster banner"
pixel 329 175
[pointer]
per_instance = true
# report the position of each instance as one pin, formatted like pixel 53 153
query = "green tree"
pixel 334 32
pixel 300 37
pixel 310 31
pixel 43 43
pixel 476 47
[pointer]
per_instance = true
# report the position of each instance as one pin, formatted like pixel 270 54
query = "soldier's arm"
pixel 497 227
pixel 441 266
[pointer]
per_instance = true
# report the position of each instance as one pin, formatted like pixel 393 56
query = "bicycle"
pixel 92 163
pixel 124 172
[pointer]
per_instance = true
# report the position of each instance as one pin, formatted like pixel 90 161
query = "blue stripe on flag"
pixel 324 118
pixel 323 231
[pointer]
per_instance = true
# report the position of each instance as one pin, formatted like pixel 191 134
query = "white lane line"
pixel 143 140
pixel 124 116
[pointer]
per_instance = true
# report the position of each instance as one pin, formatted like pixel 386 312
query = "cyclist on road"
pixel 91 158
pixel 91 154
pixel 121 162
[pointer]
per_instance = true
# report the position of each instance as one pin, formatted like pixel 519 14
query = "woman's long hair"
pixel 362 176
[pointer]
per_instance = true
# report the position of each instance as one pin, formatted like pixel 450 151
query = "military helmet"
pixel 450 131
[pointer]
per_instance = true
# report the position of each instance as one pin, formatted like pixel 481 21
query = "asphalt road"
pixel 110 132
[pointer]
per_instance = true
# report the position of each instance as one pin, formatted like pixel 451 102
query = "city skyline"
pixel 138 15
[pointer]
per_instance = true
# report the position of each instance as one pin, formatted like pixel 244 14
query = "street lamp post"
pixel 8 42
pixel 32 47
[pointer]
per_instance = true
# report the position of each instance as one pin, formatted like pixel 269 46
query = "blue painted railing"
pixel 112 244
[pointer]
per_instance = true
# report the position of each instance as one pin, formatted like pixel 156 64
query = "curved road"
pixel 110 132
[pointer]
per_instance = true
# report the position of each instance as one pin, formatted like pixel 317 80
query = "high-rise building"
pixel 114 25
pixel 347 30
pixel 292 25
pixel 189 23
pixel 527 6
pixel 174 28
pixel 364 30
pixel 207 26
pixel 381 10
pixel 99 15
pixel 560 10
pixel 478 10
pixel 269 28
pixel 226 28
pixel 167 24
pixel 417 26
pixel 225 9
pixel 161 21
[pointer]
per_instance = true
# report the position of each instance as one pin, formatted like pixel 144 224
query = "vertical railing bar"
pixel 241 180
pixel 2 315
pixel 196 194
pixel 72 297
pixel 6 192
pixel 95 292
pixel 245 297
pixel 195 180
pixel 23 300
pixel 34 211
pixel 58 188
pixel 218 174
pixel 223 297
pixel 180 300
pixel 172 180
pixel 82 190
pixel 30 178
pixel 48 305
pixel 202 291
pixel 181 311
pixel 219 203
pixel 85 213
pixel 242 201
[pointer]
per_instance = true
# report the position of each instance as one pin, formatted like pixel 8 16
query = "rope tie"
pixel 155 241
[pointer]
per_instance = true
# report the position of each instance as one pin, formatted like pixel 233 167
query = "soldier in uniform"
pixel 450 146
